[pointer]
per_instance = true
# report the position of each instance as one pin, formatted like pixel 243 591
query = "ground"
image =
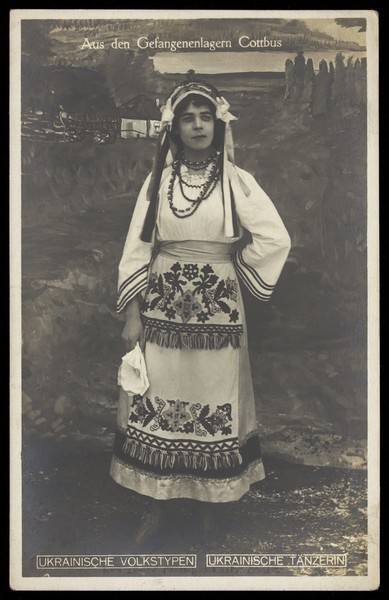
pixel 75 508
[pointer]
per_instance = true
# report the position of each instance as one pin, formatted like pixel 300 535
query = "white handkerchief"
pixel 132 375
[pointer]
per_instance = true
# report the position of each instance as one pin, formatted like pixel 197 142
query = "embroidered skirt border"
pixel 217 460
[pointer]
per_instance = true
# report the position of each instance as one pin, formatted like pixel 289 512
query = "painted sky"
pixel 349 34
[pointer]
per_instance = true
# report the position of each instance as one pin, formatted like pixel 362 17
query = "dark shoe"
pixel 210 528
pixel 148 530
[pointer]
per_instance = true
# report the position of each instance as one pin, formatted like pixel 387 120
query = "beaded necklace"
pixel 205 188
pixel 197 165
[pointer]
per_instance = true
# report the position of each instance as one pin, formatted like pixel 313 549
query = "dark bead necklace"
pixel 197 165
pixel 206 188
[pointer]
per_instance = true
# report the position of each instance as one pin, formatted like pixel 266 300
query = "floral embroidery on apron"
pixel 193 305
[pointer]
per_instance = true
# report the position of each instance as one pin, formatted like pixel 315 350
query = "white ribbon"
pixel 167 114
pixel 222 111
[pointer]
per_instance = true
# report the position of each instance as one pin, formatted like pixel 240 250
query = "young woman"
pixel 193 434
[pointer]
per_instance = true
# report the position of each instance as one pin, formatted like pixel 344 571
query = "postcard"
pixel 194 300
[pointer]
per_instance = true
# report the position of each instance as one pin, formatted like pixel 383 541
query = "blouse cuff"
pixel 251 278
pixel 131 287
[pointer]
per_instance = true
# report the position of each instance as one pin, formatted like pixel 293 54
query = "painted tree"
pixel 289 79
pixel 309 81
pixel 321 91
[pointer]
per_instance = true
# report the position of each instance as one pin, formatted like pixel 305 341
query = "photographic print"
pixel 194 300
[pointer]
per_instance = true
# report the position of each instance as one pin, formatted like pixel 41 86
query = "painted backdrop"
pixel 89 124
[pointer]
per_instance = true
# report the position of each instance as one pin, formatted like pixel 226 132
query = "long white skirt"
pixel 194 432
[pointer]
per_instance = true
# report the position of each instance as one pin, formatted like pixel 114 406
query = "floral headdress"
pixel 165 151
pixel 202 89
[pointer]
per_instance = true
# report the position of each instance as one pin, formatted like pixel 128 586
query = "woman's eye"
pixel 207 117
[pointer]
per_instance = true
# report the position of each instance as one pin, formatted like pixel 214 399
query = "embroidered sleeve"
pixel 259 263
pixel 134 263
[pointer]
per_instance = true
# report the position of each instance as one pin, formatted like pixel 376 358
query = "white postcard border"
pixel 344 583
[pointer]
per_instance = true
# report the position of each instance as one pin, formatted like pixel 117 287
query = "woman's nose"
pixel 198 123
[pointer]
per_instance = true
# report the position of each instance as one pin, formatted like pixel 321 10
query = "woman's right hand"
pixel 133 330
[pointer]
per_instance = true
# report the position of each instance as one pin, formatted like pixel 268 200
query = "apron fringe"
pixel 192 341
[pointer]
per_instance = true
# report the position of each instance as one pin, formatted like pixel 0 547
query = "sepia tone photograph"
pixel 194 229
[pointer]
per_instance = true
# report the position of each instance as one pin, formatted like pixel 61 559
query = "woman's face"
pixel 196 127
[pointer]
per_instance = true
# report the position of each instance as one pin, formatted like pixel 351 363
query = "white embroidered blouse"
pixel 258 265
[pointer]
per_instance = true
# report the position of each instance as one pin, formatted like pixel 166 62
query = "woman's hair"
pixel 198 100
